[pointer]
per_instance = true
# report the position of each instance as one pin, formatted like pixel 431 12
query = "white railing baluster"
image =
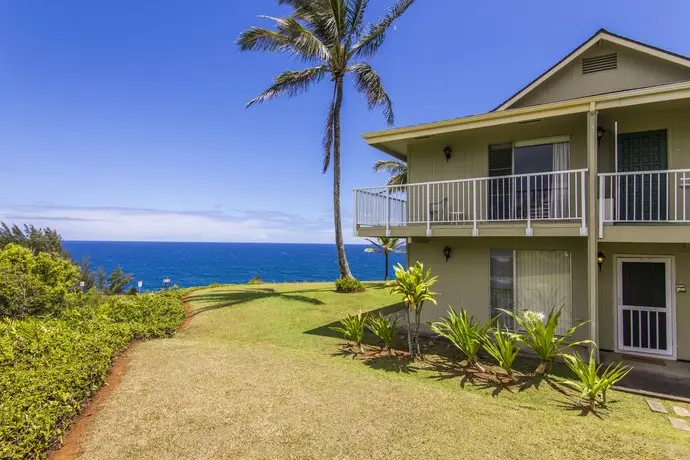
pixel 602 194
pixel 583 204
pixel 475 229
pixel 428 211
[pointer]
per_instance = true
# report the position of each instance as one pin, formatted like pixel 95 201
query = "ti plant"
pixel 464 332
pixel 352 328
pixel 384 328
pixel 414 285
pixel 504 348
pixel 541 336
pixel 592 383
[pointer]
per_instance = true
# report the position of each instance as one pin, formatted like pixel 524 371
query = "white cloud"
pixel 139 224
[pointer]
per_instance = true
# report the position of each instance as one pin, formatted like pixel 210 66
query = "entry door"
pixel 645 305
pixel 643 196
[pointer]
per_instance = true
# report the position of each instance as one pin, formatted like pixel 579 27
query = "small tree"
pixel 414 284
pixel 36 239
pixel 118 281
pixel 386 246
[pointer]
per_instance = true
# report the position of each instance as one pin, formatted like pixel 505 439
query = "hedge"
pixel 49 367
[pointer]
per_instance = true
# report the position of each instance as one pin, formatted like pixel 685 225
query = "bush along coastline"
pixel 58 338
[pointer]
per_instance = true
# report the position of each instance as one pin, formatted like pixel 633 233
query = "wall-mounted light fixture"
pixel 601 258
pixel 447 152
pixel 447 251
pixel 600 133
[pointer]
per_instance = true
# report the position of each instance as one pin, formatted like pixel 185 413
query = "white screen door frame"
pixel 648 311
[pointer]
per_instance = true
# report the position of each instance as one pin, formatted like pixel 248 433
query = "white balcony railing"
pixel 644 197
pixel 540 197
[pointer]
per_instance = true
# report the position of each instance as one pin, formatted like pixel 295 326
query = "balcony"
pixel 503 206
pixel 649 200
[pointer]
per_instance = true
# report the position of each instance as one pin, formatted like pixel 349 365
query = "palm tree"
pixel 331 36
pixel 396 169
pixel 385 246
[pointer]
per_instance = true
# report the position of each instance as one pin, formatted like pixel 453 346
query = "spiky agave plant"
pixel 504 347
pixel 384 328
pixel 333 38
pixel 541 336
pixel 352 327
pixel 592 383
pixel 466 333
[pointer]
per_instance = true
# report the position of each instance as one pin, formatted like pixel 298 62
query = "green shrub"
pixel 504 348
pixel 464 332
pixel 352 328
pixel 50 366
pixel 36 239
pixel 384 327
pixel 256 279
pixel 34 284
pixel 349 285
pixel 414 285
pixel 541 335
pixel 590 384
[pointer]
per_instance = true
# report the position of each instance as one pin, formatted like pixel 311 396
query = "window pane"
pixel 501 282
pixel 534 159
pixel 500 160
pixel 543 280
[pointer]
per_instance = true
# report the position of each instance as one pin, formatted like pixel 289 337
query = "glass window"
pixel 534 159
pixel 532 280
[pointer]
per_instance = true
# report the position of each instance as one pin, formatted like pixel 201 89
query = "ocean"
pixel 200 264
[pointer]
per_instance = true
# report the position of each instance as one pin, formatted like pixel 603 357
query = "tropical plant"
pixel 331 35
pixel 256 279
pixel 384 327
pixel 36 239
pixel 397 170
pixel 414 285
pixel 118 281
pixel 386 246
pixel 541 336
pixel 352 328
pixel 504 348
pixel 466 333
pixel 592 383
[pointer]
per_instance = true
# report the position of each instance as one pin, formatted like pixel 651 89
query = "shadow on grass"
pixel 219 300
pixel 369 339
pixel 397 364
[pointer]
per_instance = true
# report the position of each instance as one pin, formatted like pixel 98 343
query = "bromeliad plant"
pixel 504 348
pixel 414 285
pixel 540 335
pixel 591 383
pixel 384 328
pixel 464 332
pixel 352 328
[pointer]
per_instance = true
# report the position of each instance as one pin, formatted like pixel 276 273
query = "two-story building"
pixel 574 192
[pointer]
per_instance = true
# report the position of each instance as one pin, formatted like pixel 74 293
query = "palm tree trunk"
pixel 385 275
pixel 339 244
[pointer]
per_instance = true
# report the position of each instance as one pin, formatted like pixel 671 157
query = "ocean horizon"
pixel 190 264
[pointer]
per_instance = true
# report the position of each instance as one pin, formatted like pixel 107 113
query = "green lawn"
pixel 258 374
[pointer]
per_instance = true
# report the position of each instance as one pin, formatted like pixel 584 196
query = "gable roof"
pixel 601 34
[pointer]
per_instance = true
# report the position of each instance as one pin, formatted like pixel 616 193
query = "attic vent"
pixel 599 63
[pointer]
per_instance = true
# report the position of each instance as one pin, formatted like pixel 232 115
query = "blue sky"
pixel 125 120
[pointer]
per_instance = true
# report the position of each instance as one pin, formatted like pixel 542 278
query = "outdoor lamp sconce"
pixel 447 251
pixel 447 152
pixel 600 133
pixel 601 258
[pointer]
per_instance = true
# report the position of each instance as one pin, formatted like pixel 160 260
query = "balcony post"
pixel 354 212
pixel 583 204
pixel 388 211
pixel 475 230
pixel 529 231
pixel 592 234
pixel 602 204
pixel 428 210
